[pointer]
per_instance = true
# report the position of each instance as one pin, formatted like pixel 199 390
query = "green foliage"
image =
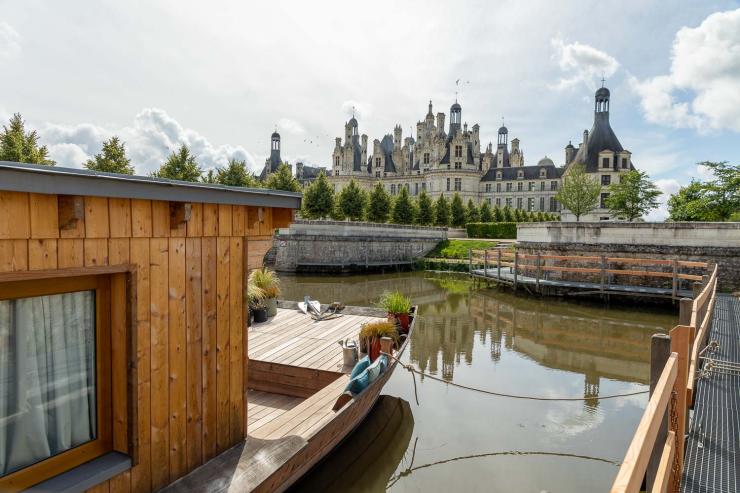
pixel 714 200
pixel 472 214
pixel 518 215
pixel 112 158
pixel 457 212
pixel 379 207
pixel 580 192
pixel 498 216
pixel 352 202
pixel 267 280
pixel 441 212
pixel 425 209
pixel 458 249
pixel 485 216
pixel 634 196
pixel 235 174
pixel 395 302
pixel 507 216
pixel 492 230
pixel 181 165
pixel 283 179
pixel 403 208
pixel 20 146
pixel 318 199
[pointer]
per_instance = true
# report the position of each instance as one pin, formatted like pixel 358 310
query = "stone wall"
pixel 316 246
pixel 713 242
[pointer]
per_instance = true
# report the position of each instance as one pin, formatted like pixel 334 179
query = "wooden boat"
pixel 289 436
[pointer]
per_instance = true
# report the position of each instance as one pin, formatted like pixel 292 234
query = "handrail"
pixel 635 463
pixel 702 309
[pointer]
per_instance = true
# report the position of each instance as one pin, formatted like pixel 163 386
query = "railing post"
pixel 696 288
pixel 603 272
pixel 485 262
pixel 537 280
pixel 680 344
pixel 686 305
pixel 674 291
pixel 498 265
pixel 516 266
pixel 660 350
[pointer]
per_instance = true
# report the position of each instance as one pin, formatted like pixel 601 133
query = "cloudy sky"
pixel 220 76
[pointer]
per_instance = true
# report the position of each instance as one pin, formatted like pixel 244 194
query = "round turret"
pixel 503 131
pixel 353 122
pixel 545 161
pixel 275 135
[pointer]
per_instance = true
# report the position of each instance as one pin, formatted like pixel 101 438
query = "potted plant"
pixel 267 280
pixel 256 299
pixel 372 332
pixel 398 307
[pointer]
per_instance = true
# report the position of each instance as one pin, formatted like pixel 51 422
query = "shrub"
pixel 505 230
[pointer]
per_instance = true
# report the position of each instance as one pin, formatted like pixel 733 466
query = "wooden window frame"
pixel 11 287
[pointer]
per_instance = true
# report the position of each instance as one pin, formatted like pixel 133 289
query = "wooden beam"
pixel 663 475
pixel 660 350
pixel 71 208
pixel 179 213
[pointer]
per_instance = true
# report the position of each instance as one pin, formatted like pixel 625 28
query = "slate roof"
pixel 386 147
pixel 530 173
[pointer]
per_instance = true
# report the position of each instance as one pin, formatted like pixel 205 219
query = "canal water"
pixel 458 440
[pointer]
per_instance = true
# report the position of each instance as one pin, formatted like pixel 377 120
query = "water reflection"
pixel 514 344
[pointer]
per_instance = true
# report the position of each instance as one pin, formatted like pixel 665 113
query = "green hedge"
pixel 492 230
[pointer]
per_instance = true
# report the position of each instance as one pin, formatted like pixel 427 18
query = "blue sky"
pixel 221 78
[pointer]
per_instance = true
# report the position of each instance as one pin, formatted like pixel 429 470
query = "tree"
pixel 318 199
pixel 472 214
pixel 283 179
pixel 112 158
pixel 181 165
pixel 353 201
pixel 486 216
pixel 441 211
pixel 457 212
pixel 634 196
pixel 235 174
pixel 498 214
pixel 579 192
pixel 506 215
pixel 425 209
pixel 689 204
pixel 209 177
pixel 20 146
pixel 379 204
pixel 403 208
pixel 723 193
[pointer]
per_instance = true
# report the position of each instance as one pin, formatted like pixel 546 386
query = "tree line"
pixel 22 146
pixel 378 206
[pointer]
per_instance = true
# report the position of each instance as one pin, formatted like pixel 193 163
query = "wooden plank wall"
pixel 191 345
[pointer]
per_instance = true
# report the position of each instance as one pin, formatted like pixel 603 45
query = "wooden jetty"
pixel 660 456
pixel 586 275
pixel 296 374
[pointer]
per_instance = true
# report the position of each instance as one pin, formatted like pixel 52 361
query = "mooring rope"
pixel 413 371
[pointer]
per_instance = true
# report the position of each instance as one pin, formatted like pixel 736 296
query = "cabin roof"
pixel 22 177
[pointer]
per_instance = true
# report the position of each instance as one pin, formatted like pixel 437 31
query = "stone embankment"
pixel 713 242
pixel 338 246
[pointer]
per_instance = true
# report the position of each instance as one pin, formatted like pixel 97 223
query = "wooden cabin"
pixel 123 324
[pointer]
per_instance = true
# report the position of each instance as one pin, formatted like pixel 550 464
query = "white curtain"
pixel 47 377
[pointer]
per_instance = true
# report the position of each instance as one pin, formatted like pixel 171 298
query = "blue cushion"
pixel 361 381
pixel 360 366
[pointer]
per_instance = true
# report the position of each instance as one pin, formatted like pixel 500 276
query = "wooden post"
pixel 686 305
pixel 680 344
pixel 660 350
pixel 516 266
pixel 498 265
pixel 696 288
pixel 603 272
pixel 537 280
pixel 674 289
pixel 485 262
pixel 386 345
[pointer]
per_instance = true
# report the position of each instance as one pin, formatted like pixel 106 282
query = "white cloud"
pixel 701 89
pixel 10 46
pixel 358 108
pixel 153 135
pixel 668 187
pixel 581 63
pixel 291 126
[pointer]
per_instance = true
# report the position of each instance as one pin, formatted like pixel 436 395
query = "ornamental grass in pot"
pixel 267 280
pixel 256 298
pixel 398 307
pixel 372 332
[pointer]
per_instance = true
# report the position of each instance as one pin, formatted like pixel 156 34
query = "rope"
pixel 413 370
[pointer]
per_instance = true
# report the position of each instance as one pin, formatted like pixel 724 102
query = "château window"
pixel 542 203
pixel 458 151
pixel 520 174
pixel 488 187
pixel 553 204
pixel 336 173
pixel 519 187
pixel 508 187
pixel 426 158
pixel 424 186
pixel 605 162
pixel 416 189
pixel 448 184
pixel 458 165
pixel 336 161
pixel 508 201
pixel 498 187
pixel 498 175
pixel 458 184
pixel 377 162
pixel 604 197
pixel 393 189
pixel 553 185
pixel 606 179
pixel 55 394
pixel 530 204
pixel 498 202
pixel 542 186
pixel 519 202
pixel 377 174
pixel 624 163
pixel 531 186
pixel 489 200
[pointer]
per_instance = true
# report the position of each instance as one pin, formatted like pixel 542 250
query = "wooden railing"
pixel 538 266
pixel 656 451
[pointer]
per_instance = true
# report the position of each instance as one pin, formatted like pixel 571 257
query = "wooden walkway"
pixel 713 447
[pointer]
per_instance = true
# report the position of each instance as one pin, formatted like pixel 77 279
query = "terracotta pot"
pixel 374 348
pixel 403 319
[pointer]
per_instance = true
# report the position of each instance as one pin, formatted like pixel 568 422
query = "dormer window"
pixel 498 175
pixel 520 174
pixel 543 172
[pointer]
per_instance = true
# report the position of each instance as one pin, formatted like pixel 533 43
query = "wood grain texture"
pixel 96 251
pixel 210 344
pixel 236 340
pixel 195 224
pixel 71 253
pixel 222 342
pixel 120 218
pixel 96 217
pixel 224 220
pixel 44 216
pixel 160 219
pixel 15 219
pixel 210 219
pixel 141 218
pixel 239 220
pixel 177 358
pixel 13 255
pixel 194 358
pixel 42 254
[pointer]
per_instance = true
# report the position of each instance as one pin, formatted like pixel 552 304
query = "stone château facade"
pixel 448 162
pixel 304 174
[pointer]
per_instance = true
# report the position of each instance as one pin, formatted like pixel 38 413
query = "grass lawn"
pixel 458 249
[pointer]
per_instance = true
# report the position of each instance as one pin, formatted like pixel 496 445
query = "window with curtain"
pixel 47 377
